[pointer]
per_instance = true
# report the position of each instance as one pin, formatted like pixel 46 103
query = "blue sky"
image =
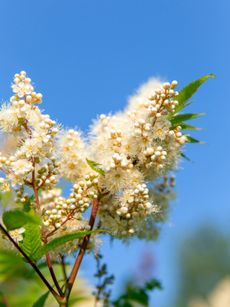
pixel 87 57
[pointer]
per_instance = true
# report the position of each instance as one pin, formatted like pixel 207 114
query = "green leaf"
pixel 41 301
pixel 135 294
pixel 27 207
pixel 96 167
pixel 31 243
pixel 185 126
pixel 187 92
pixel 14 219
pixel 62 240
pixel 185 157
pixel 190 139
pixel 178 119
pixel 181 106
pixel 153 284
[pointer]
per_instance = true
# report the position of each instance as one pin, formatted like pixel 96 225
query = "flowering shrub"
pixel 121 171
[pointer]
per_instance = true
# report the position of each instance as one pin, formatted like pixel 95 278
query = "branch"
pixel 69 216
pixel 50 266
pixel 81 253
pixel 62 257
pixel 48 258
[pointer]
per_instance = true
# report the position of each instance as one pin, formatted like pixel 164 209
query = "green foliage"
pixel 189 90
pixel 60 241
pixel 137 295
pixel 179 119
pixel 31 243
pixel 27 206
pixel 57 242
pixel 185 157
pixel 14 219
pixel 102 292
pixel 21 285
pixel 184 95
pixel 96 167
pixel 11 265
pixel 185 126
pixel 190 139
pixel 41 301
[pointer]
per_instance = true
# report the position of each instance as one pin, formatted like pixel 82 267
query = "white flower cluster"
pixel 128 211
pixel 72 156
pixel 133 148
pixel 35 133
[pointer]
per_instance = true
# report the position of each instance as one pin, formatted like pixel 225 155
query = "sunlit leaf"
pixel 96 167
pixel 14 219
pixel 136 295
pixel 185 157
pixel 41 301
pixel 189 90
pixel 178 119
pixel 185 126
pixel 191 139
pixel 62 240
pixel 31 243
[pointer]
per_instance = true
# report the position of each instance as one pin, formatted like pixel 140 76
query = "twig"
pixel 62 257
pixel 81 253
pixel 69 216
pixel 48 258
pixel 50 266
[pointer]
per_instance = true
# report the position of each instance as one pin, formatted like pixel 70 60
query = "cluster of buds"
pixel 57 209
pixel 142 128
pixel 128 210
pixel 155 156
pixel 14 168
pixel 54 208
pixel 21 196
pixel 179 137
pixel 47 174
pixel 119 162
pixel 116 138
pixel 134 199
pixel 22 87
pixel 48 124
pixel 163 101
pixel 85 191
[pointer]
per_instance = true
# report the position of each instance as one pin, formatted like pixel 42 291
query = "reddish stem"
pixel 69 216
pixel 48 258
pixel 81 253
pixel 50 266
